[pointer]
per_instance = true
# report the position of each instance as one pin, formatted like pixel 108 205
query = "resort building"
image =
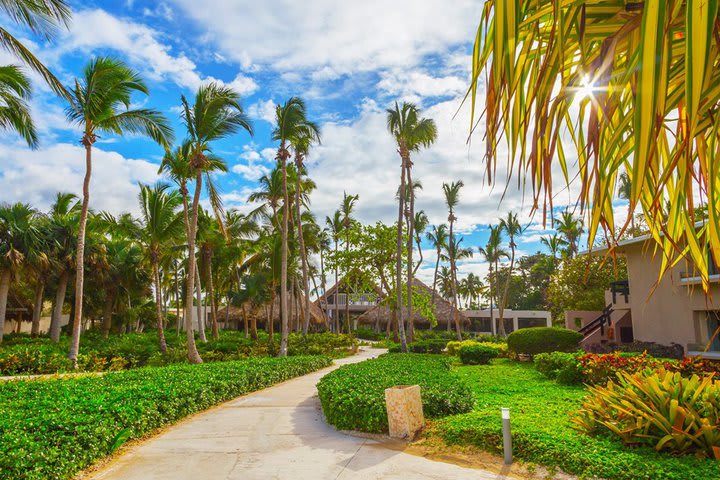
pixel 480 320
pixel 337 297
pixel 674 310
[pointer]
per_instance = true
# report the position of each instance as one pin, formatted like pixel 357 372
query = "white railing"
pixel 364 299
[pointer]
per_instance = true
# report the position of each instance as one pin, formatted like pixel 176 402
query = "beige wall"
pixel 674 311
pixel 25 325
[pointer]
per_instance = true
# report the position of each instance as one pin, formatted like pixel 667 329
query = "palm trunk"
pixel 213 304
pixel 347 286
pixel 336 313
pixel 303 254
pixel 271 319
pixel 501 323
pixel 58 306
pixel 492 319
pixel 199 306
pixel 284 258
pixel 453 274
pixel 80 258
pixel 5 277
pixel 434 289
pixel 503 301
pixel 253 325
pixel 398 260
pixel 193 355
pixel 322 285
pixel 177 301
pixel 107 310
pixel 158 308
pixel 37 308
pixel 411 236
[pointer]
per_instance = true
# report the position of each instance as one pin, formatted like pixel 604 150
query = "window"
pixel 713 323
pixel 482 324
pixel 531 322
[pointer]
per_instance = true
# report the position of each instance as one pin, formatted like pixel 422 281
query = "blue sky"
pixel 348 60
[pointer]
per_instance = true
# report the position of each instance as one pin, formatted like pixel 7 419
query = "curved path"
pixel 276 433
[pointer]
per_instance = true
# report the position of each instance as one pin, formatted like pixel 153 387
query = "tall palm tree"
pixel 290 119
pixel 411 133
pixel 554 243
pixel 438 237
pixel 625 192
pixel 511 226
pixel 492 253
pixel 455 252
pixel 100 103
pixel 301 143
pixel 335 227
pixel 14 110
pixel 18 231
pixel 452 198
pixel 160 227
pixel 571 229
pixel 215 114
pixel 64 218
pixel 346 208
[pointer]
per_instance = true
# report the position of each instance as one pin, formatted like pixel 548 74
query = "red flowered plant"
pixel 599 368
pixel 695 366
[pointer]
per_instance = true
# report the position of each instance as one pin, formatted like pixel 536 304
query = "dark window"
pixel 508 324
pixel 531 322
pixel 482 324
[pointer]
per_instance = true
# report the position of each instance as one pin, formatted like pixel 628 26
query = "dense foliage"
pixel 50 429
pixel 24 355
pixel 353 396
pixel 477 354
pixel 531 341
pixel 561 366
pixel 543 434
pixel 661 409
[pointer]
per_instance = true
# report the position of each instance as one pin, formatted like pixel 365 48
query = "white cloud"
pixel 36 176
pixel 415 85
pixel 262 110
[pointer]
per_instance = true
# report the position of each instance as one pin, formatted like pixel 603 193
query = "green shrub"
pixel 51 429
pixel 477 354
pixel 427 346
pixel 365 333
pixel 661 409
pixel 561 366
pixel 454 347
pixel 501 348
pixel 353 396
pixel 531 341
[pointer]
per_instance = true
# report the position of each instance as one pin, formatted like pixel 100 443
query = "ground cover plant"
pixel 21 354
pixel 543 433
pixel 50 429
pixel 353 396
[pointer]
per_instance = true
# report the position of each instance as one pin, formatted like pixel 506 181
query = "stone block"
pixel 404 410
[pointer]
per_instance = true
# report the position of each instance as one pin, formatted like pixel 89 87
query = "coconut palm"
pixel 421 224
pixel 492 253
pixel 554 244
pixel 215 114
pixel 346 208
pixel 290 120
pixel 411 133
pixel 625 192
pixel 452 198
pixel 14 110
pixel 335 228
pixel 100 103
pixel 301 143
pixel 455 252
pixel 18 232
pixel 438 237
pixel 511 226
pixel 571 229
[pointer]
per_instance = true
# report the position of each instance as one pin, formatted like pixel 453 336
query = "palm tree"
pixel 554 243
pixel 100 103
pixel 301 145
pixel 492 253
pixel 64 218
pixel 452 198
pixel 571 229
pixel 512 227
pixel 18 231
pixel 411 133
pixel 335 226
pixel 346 209
pixel 454 252
pixel 625 192
pixel 290 120
pixel 14 111
pixel 160 227
pixel 438 237
pixel 216 114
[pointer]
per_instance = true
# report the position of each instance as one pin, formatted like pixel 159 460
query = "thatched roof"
pixel 261 312
pixel 444 311
pixel 339 285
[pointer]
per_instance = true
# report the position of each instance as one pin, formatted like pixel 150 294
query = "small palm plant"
pixel 452 198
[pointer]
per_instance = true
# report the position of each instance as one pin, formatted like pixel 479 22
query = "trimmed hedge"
pixel 353 396
pixel 51 429
pixel 561 366
pixel 531 341
pixel 477 354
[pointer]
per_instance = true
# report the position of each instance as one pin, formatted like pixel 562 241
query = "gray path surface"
pixel 276 433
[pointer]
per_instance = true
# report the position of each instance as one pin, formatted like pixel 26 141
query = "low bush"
pixel 661 409
pixel 599 368
pixel 353 396
pixel 365 333
pixel 454 347
pixel 441 335
pixel 477 354
pixel 427 346
pixel 531 341
pixel 51 429
pixel 561 366
pixel 653 349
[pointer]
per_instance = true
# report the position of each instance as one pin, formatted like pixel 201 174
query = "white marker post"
pixel 507 438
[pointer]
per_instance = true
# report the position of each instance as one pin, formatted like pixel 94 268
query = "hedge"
pixel 531 341
pixel 477 354
pixel 353 396
pixel 51 429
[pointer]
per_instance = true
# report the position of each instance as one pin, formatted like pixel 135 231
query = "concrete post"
pixel 507 438
pixel 404 410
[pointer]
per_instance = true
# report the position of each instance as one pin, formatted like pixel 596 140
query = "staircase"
pixel 599 323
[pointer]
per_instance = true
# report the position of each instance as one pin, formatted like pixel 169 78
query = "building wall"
pixel 515 318
pixel 26 325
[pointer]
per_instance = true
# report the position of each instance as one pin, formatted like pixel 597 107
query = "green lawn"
pixel 542 432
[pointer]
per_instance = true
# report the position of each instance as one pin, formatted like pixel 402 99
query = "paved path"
pixel 276 433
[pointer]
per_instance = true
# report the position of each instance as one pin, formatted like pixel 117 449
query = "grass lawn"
pixel 542 433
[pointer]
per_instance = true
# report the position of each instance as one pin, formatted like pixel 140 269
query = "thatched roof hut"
pixel 260 313
pixel 444 311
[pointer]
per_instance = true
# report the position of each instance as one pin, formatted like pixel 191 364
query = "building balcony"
pixel 618 295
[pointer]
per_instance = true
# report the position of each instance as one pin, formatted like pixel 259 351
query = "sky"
pixel 348 60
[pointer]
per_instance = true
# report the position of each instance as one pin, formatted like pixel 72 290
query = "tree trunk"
pixel 253 325
pixel 503 302
pixel 322 285
pixel 501 323
pixel 37 308
pixel 347 285
pixel 80 258
pixel 213 304
pixel 303 254
pixel 58 306
pixel 398 260
pixel 434 289
pixel 177 301
pixel 158 308
pixel 453 274
pixel 199 306
pixel 5 276
pixel 411 236
pixel 111 293
pixel 193 355
pixel 271 319
pixel 336 312
pixel 284 258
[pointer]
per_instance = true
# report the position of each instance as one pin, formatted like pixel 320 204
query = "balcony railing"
pixel 365 299
pixel 621 287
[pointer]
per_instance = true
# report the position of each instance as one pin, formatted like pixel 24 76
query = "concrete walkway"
pixel 276 433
